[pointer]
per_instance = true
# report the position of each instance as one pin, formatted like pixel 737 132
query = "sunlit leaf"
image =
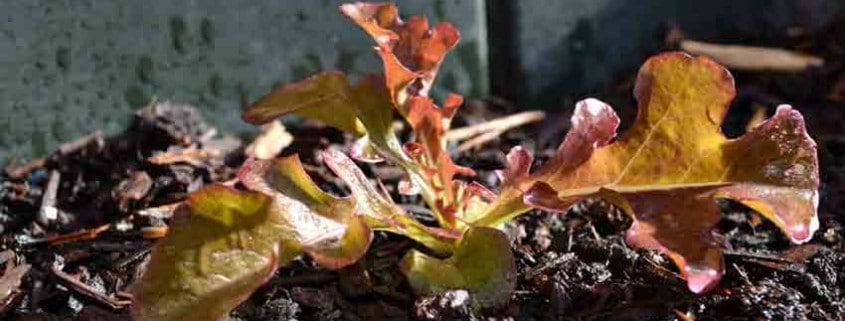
pixel 376 110
pixel 482 263
pixel 410 51
pixel 324 97
pixel 364 109
pixel 381 213
pixel 669 166
pixel 326 227
pixel 214 259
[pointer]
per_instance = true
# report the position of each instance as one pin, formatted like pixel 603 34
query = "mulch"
pixel 77 225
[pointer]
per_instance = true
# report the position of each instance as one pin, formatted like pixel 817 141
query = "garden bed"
pixel 78 225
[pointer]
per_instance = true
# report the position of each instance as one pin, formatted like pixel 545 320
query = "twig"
pixel 87 291
pixel 752 58
pixel 80 143
pixel 131 258
pixel 743 275
pixel 86 234
pixel 14 171
pixel 497 125
pixel 478 141
pixel 759 256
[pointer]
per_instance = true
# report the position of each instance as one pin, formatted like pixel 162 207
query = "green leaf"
pixel 287 176
pixel 380 211
pixel 324 97
pixel 483 264
pixel 214 259
pixel 375 109
pixel 327 227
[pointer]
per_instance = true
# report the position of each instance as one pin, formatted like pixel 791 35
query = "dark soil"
pixel 77 226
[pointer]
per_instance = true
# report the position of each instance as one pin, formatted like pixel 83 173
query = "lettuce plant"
pixel 666 172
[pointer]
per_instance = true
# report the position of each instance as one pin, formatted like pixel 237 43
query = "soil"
pixel 77 225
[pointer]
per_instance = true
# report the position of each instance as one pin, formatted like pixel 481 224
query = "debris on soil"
pixel 450 305
pixel 269 142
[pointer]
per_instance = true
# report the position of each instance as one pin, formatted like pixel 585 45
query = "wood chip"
pixel 270 141
pixel 48 211
pixel 192 155
pixel 135 187
pixel 154 232
pixel 12 277
pixel 164 212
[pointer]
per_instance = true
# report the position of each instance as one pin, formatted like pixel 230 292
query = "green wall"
pixel 70 67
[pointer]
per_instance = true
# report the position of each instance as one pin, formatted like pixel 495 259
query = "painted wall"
pixel 71 67
pixel 567 49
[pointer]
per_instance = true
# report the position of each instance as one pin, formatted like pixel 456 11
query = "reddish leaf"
pixel 410 51
pixel 668 168
pixel 213 260
pixel 439 170
pixel 518 166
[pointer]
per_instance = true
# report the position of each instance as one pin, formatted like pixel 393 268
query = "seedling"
pixel 666 172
